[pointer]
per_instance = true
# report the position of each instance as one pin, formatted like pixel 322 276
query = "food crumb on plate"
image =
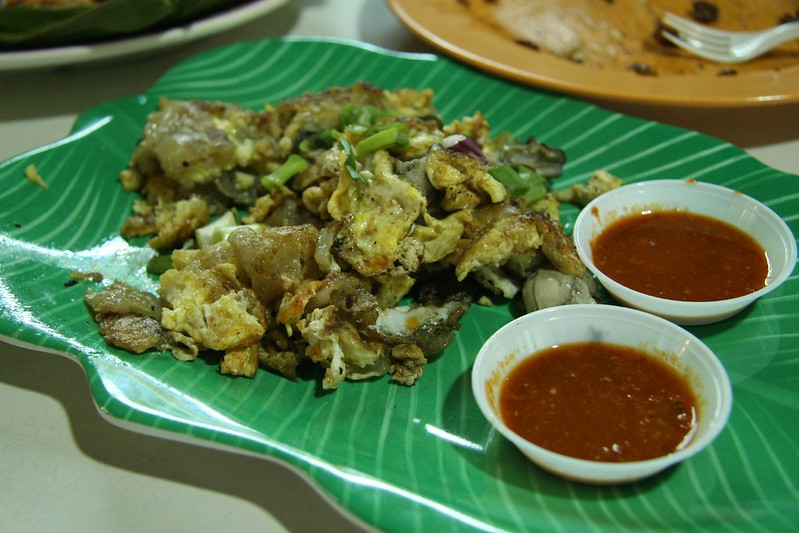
pixel 34 177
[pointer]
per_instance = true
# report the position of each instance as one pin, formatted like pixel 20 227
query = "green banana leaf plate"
pixel 48 26
pixel 418 458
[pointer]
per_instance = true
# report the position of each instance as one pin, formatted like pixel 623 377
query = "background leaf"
pixel 27 27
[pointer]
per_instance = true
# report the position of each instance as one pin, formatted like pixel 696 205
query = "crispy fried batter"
pixel 385 201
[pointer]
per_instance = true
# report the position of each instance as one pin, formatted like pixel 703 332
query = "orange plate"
pixel 448 26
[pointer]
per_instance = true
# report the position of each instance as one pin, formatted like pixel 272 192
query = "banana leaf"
pixel 39 27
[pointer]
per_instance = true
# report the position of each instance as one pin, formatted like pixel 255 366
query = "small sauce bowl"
pixel 745 213
pixel 529 334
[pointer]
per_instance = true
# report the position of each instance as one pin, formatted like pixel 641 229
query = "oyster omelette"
pixel 350 229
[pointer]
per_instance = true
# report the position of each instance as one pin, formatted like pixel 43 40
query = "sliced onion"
pixel 464 145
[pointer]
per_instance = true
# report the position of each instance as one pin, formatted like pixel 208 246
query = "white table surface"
pixel 65 468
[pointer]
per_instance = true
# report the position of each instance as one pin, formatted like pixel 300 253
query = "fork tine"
pixel 723 46
pixel 674 21
pixel 678 23
pixel 721 55
pixel 698 42
pixel 690 29
pixel 691 37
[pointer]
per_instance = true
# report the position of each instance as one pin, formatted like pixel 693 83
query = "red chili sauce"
pixel 599 401
pixel 681 256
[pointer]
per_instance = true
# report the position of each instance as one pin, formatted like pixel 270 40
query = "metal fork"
pixel 725 46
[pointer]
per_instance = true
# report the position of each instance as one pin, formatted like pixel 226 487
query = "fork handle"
pixel 781 34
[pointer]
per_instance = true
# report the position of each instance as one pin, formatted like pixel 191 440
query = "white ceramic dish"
pixel 727 205
pixel 536 331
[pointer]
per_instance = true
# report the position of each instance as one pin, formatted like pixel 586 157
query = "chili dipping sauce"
pixel 681 256
pixel 599 401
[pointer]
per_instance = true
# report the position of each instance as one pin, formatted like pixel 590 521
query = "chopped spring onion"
pixel 364 116
pixel 351 164
pixel 521 182
pixel 383 136
pixel 324 138
pixel 290 168
pixel 159 264
pixel 209 233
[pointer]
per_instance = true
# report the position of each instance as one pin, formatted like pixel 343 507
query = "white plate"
pixel 199 29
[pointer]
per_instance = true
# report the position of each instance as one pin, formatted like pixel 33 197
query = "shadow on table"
pixel 293 502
